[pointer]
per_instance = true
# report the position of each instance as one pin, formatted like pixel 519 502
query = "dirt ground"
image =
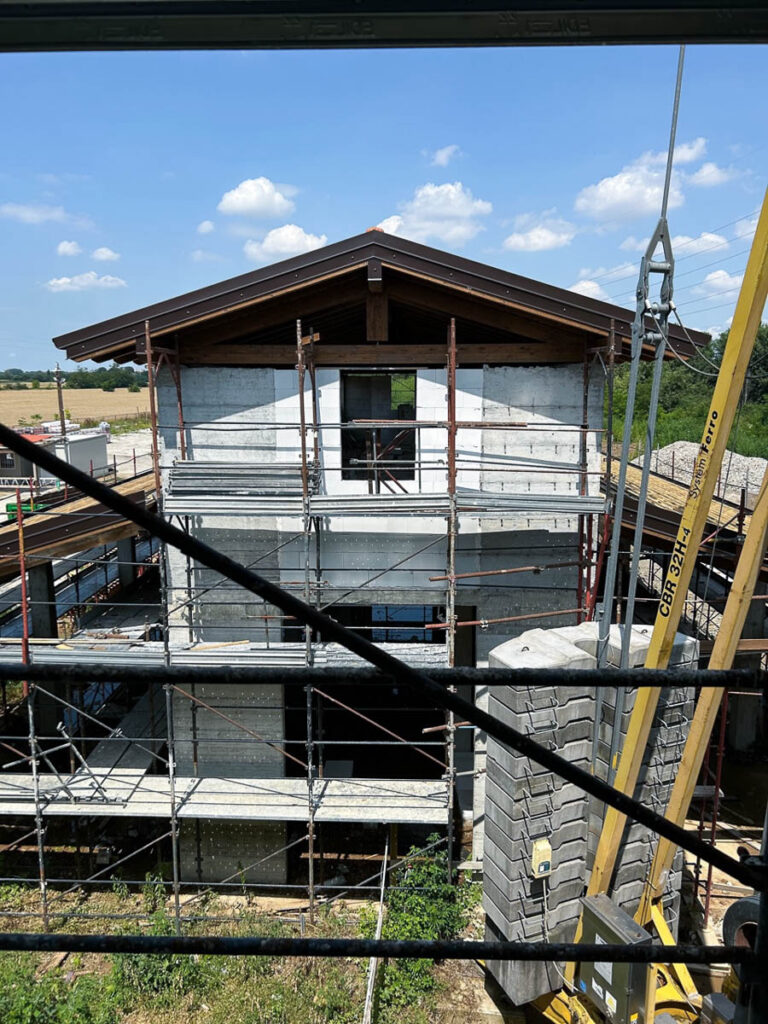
pixel 87 402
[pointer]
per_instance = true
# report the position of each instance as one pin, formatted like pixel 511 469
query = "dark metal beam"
pixel 748 680
pixel 439 949
pixel 296 24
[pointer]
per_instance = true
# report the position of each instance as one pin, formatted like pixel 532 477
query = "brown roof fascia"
pixel 119 335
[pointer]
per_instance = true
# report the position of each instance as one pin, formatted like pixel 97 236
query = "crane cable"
pixel 641 334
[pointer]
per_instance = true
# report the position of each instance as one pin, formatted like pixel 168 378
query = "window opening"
pixel 381 455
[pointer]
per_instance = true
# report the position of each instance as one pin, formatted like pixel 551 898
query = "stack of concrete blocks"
pixel 524 802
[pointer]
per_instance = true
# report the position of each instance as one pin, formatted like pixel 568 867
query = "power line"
pixel 685 245
pixel 695 270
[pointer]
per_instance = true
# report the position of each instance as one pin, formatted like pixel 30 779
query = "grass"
pixel 168 989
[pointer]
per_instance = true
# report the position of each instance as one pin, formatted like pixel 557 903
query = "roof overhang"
pixel 344 274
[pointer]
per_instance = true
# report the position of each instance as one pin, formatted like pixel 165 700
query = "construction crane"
pixel 670 988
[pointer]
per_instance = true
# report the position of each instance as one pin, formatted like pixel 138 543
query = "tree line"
pixel 685 394
pixel 105 378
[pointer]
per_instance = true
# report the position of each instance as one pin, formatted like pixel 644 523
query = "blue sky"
pixel 127 178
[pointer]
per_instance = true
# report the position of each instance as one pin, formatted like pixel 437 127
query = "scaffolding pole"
pixel 29 694
pixel 174 807
pixel 307 522
pixel 374 961
pixel 450 639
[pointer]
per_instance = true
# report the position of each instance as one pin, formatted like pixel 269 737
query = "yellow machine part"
pixel 677 993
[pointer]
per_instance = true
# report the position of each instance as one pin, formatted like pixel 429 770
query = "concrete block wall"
pixel 221 404
pixel 211 850
pixel 216 398
pixel 523 802
pixel 222 749
pixel 543 397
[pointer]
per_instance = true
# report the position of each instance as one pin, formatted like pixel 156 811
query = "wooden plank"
pixel 59 532
pixel 519 308
pixel 665 493
pixel 377 317
pixel 279 306
pixel 501 354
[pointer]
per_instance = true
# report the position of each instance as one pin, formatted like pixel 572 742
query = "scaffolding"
pixel 185 488
pixel 153 788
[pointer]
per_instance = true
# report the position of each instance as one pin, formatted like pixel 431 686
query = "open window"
pixel 378 453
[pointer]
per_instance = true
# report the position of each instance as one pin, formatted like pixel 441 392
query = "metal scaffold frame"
pixel 311 589
pixel 311 584
pixel 752 871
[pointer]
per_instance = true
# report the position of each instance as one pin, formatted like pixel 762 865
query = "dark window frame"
pixel 361 443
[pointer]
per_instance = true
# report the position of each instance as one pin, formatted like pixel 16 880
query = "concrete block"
pixel 539 648
pixel 211 851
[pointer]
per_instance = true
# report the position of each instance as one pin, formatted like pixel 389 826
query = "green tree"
pixel 685 395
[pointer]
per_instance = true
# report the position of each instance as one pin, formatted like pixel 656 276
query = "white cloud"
pixel 718 329
pixel 35 213
pixel 687 152
pixel 590 288
pixel 68 249
pixel 719 282
pixel 443 156
pixel 84 282
pixel 205 227
pixel 256 197
pixel 638 187
pixel 609 274
pixel 746 227
pixel 636 191
pixel 707 241
pixel 105 255
pixel 632 244
pixel 448 213
pixel 709 175
pixel 279 243
pixel 204 256
pixel 540 234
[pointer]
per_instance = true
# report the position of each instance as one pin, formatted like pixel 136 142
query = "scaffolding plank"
pixel 132 794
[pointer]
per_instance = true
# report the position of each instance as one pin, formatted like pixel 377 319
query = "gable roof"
pixel 382 255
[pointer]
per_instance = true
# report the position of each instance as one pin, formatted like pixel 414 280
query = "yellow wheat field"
pixel 18 407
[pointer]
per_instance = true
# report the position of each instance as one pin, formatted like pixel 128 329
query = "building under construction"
pixel 415 444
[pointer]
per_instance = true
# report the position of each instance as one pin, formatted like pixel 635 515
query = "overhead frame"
pixel 325 24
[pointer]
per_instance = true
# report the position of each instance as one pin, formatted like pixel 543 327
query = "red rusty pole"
pixel 23 580
pixel 152 406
